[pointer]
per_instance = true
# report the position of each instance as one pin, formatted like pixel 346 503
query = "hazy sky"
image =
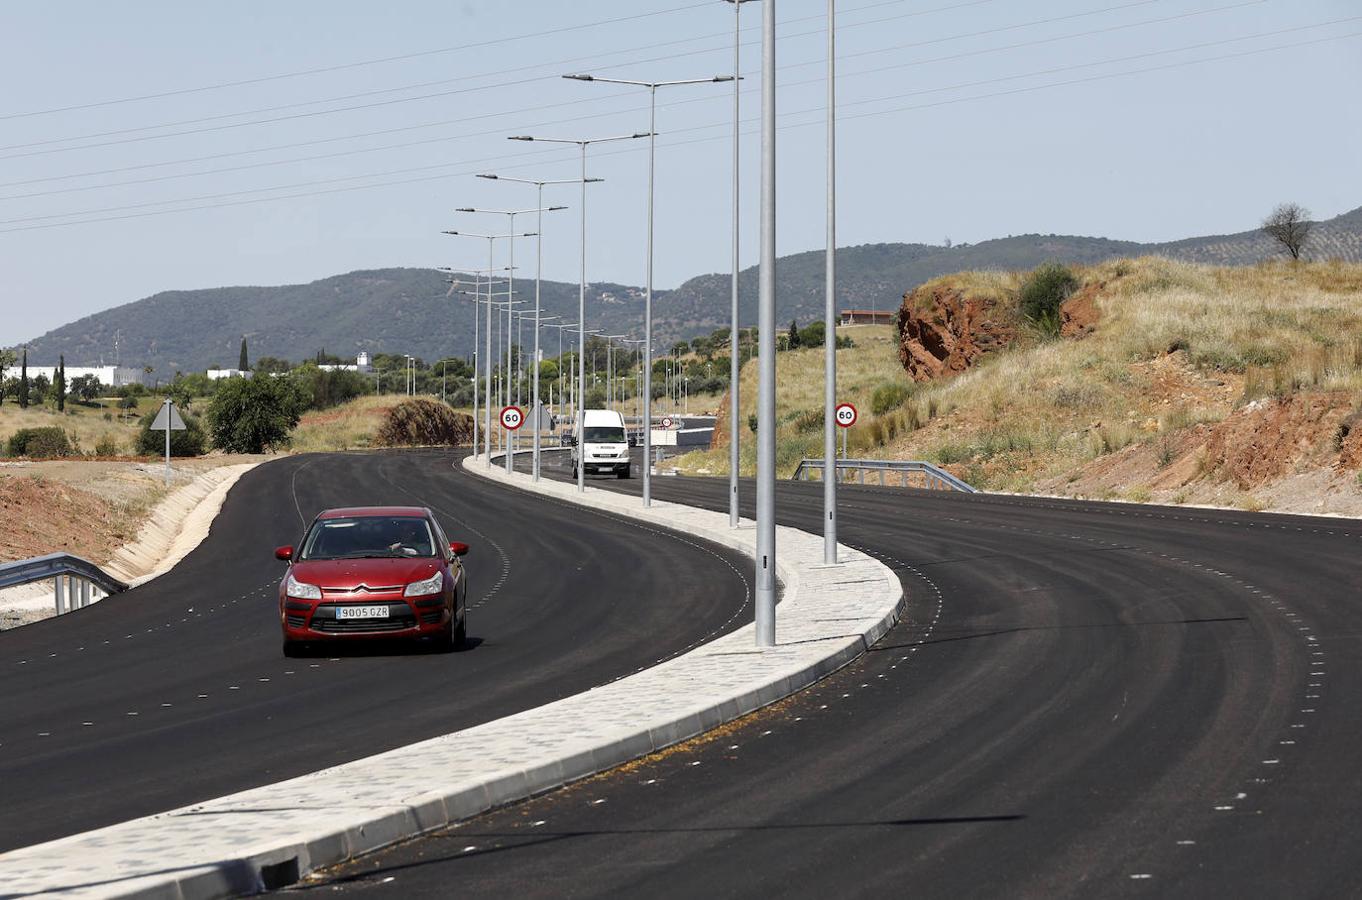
pixel 952 122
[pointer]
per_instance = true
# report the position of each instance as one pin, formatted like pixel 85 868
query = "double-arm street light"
pixel 652 87
pixel 581 294
pixel 511 214
pixel 477 294
pixel 487 338
pixel 537 278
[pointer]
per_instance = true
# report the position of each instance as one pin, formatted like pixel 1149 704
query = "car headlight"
pixel 431 585
pixel 295 588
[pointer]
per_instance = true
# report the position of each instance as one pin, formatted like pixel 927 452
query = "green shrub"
pixel 889 396
pixel 106 446
pixel 1042 293
pixel 252 415
pixel 39 443
pixel 189 442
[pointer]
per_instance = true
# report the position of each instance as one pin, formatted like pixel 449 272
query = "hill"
pixel 1186 383
pixel 407 310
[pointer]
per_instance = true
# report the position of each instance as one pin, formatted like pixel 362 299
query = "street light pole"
pixel 581 292
pixel 652 87
pixel 766 325
pixel 491 242
pixel 539 272
pixel 734 364
pixel 830 312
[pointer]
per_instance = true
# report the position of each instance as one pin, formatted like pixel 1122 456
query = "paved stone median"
pixel 268 836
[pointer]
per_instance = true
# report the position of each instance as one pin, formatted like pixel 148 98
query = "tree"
pixel 1289 225
pixel 793 342
pixel 252 415
pixel 23 382
pixel 244 362
pixel 7 360
pixel 85 388
pixel 59 383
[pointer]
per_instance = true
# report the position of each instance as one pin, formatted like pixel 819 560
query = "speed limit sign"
pixel 845 415
pixel 666 421
pixel 511 417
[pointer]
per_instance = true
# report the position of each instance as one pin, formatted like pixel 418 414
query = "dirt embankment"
pixel 945 330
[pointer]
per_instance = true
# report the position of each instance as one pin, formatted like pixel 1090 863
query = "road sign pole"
pixel 166 405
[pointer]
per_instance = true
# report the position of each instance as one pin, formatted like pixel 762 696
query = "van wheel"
pixel 624 473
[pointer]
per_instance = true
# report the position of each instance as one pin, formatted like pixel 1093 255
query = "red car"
pixel 373 572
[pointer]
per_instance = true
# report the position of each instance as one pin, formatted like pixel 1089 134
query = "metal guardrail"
pixel 74 580
pixel 912 473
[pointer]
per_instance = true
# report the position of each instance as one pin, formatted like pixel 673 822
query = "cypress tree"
pixel 244 363
pixel 59 383
pixel 23 382
pixel 794 335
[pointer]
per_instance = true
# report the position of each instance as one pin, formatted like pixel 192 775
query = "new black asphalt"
pixel 177 691
pixel 1082 699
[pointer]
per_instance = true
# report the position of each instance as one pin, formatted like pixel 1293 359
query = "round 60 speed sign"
pixel 511 417
pixel 845 414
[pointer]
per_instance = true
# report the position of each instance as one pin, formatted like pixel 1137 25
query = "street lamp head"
pixel 465 209
pixel 723 78
pixel 485 175
pixel 581 77
pixel 555 208
pixel 520 137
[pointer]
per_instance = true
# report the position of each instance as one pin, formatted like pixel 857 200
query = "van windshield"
pixel 603 434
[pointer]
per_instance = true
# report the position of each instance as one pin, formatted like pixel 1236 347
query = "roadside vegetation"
pixel 1189 384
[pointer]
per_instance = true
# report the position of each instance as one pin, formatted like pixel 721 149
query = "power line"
pixel 352 65
pixel 274 120
pixel 595 99
pixel 876 70
pixel 422 179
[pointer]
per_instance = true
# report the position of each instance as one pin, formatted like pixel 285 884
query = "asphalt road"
pixel 177 691
pixel 1082 700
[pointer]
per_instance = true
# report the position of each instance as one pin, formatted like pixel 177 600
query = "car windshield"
pixel 368 537
pixel 604 434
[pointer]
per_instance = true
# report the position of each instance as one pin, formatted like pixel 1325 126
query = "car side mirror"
pixel 284 553
pixel 458 548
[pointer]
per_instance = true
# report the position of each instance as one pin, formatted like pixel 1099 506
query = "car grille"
pixel 296 621
pixel 400 617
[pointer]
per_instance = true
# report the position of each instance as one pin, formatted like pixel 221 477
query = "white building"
pixel 361 365
pixel 109 376
pixel 215 374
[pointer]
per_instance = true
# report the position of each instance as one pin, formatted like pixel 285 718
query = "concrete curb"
pixel 174 527
pixel 267 837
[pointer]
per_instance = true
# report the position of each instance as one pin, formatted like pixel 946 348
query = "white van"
pixel 602 444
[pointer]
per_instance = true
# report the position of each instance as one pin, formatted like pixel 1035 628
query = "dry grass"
pixel 85 426
pixel 350 426
pixel 1176 345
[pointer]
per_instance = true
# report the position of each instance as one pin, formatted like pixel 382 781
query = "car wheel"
pixel 445 641
pixel 294 649
pixel 461 632
pixel 624 473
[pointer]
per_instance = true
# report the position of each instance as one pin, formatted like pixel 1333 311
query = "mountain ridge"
pixel 407 310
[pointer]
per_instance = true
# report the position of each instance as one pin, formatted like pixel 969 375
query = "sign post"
pixel 846 417
pixel 168 419
pixel 511 419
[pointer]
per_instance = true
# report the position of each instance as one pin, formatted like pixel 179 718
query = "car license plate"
pixel 361 612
